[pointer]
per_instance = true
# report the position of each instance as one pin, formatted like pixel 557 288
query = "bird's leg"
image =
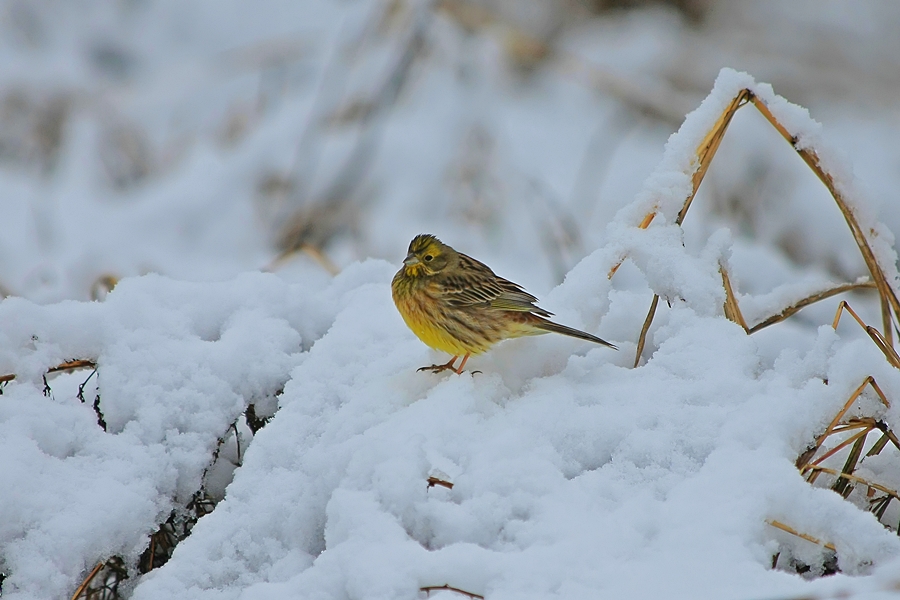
pixel 462 364
pixel 444 367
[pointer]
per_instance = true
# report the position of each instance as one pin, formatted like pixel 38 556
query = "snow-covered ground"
pixel 170 145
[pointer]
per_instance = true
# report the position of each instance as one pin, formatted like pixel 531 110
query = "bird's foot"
pixel 448 366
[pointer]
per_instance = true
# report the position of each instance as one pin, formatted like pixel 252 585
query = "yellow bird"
pixel 457 304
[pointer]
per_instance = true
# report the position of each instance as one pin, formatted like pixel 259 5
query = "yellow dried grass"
pixel 704 155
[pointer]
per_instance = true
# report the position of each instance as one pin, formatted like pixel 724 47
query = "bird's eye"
pixel 428 258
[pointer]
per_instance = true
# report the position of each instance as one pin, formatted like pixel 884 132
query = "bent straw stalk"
pixel 705 153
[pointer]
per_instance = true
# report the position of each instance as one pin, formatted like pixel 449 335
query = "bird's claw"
pixel 442 368
pixel 437 368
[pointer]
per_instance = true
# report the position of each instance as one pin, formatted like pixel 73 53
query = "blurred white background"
pixel 200 139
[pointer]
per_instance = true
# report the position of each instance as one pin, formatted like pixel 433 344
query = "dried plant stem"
pixel 889 299
pixel 66 366
pixel 704 155
pixel 856 394
pixel 732 310
pixel 435 588
pixel 642 339
pixel 708 147
pixel 861 436
pixel 884 345
pixel 87 580
pixel 867 424
pixel 858 479
pixel 812 299
pixel 73 364
pixel 808 538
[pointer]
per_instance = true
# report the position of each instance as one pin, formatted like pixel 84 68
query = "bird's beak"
pixel 411 259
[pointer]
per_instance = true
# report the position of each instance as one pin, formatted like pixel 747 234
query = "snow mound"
pixel 573 474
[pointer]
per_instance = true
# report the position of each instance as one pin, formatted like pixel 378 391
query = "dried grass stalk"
pixel 732 310
pixel 812 299
pixel 70 365
pixel 808 538
pixel 642 339
pixel 883 344
pixel 87 581
pixel 889 299
pixel 858 479
pixel 705 153
pixel 867 424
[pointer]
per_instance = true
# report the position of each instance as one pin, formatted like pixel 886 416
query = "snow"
pixel 565 472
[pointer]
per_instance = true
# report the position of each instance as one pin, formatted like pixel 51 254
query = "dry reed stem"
pixel 888 297
pixel 73 364
pixel 890 436
pixel 704 155
pixel 855 424
pixel 867 424
pixel 850 440
pixel 843 306
pixel 856 394
pixel 732 310
pixel 708 147
pixel 886 348
pixel 87 580
pixel 66 366
pixel 878 446
pixel 792 531
pixel 642 339
pixel 644 224
pixel 858 479
pixel 435 588
pixel 812 299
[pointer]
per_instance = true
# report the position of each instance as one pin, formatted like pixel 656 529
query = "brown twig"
pixel 433 481
pixel 435 588
pixel 72 365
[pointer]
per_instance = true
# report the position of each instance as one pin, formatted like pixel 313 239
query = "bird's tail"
pixel 546 325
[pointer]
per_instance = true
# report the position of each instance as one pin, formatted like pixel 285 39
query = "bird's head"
pixel 427 256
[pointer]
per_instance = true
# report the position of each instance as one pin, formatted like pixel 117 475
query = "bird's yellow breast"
pixel 422 314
